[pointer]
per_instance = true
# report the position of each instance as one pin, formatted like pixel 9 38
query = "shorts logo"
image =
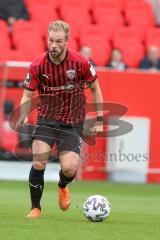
pixel 71 74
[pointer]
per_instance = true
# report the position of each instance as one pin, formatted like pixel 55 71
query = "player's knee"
pixel 69 170
pixel 39 165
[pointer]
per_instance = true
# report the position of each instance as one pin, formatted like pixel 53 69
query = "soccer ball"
pixel 96 208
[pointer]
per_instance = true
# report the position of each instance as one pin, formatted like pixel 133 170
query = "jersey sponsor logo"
pixel 71 74
pixel 68 86
pixel 92 70
pixel 28 79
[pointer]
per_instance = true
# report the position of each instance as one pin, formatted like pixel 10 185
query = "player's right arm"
pixel 30 85
pixel 25 106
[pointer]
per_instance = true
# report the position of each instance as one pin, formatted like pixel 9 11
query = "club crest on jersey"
pixel 71 74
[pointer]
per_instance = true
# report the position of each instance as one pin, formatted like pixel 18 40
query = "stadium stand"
pixel 108 22
pixel 114 21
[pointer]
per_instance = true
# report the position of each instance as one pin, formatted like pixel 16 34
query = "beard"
pixel 56 54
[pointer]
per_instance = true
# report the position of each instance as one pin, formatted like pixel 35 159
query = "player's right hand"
pixel 21 121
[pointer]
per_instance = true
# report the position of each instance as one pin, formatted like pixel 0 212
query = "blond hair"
pixel 59 25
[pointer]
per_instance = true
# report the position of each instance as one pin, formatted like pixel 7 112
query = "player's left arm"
pixel 98 103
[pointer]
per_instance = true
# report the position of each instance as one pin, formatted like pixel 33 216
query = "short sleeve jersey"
pixel 61 87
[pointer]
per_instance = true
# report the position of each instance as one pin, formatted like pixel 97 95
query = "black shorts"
pixel 66 137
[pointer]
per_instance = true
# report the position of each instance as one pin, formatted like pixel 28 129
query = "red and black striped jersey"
pixel 61 87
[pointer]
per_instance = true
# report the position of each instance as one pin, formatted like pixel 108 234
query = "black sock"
pixel 36 184
pixel 64 180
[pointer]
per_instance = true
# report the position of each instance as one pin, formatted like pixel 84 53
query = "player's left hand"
pixel 97 128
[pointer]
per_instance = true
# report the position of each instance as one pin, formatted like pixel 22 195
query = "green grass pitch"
pixel 135 213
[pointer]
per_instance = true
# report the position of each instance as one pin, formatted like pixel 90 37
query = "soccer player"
pixel 59 75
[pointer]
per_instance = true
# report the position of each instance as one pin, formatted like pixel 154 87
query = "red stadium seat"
pixel 30 41
pixel 95 30
pixel 108 18
pixel 78 4
pixel 128 33
pixel 109 4
pixel 75 16
pixel 50 3
pixel 142 21
pixel 132 50
pixel 26 36
pixel 153 37
pixel 139 6
pixel 122 4
pixel 140 14
pixel 24 26
pixel 37 13
pixel 40 19
pixel 126 2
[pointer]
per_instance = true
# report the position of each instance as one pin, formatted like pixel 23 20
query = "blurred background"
pixel 122 40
